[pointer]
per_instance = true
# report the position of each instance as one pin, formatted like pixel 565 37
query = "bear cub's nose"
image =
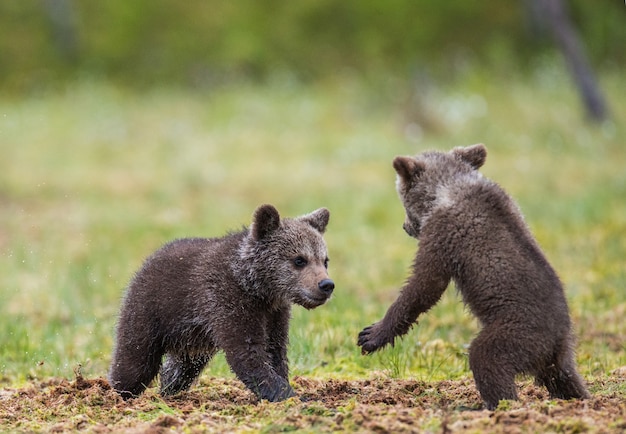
pixel 326 286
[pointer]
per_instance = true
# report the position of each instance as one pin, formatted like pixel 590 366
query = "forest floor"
pixel 323 405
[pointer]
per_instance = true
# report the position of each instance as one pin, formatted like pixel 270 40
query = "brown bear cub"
pixel 196 296
pixel 471 231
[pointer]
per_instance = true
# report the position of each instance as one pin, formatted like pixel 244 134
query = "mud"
pixel 378 405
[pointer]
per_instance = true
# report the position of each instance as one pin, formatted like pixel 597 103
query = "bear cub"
pixel 196 296
pixel 470 231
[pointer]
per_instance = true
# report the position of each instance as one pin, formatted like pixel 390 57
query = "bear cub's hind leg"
pixel 179 371
pixel 562 379
pixel 134 368
pixel 494 364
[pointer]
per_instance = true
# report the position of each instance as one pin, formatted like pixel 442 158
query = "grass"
pixel 93 179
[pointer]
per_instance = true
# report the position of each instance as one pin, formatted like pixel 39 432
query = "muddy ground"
pixel 324 405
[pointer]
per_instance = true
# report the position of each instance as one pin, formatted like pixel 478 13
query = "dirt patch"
pixel 324 405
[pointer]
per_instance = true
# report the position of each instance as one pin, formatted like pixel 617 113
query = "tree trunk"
pixel 566 36
pixel 63 22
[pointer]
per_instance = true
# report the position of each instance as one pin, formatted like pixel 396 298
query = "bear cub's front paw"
pixel 277 392
pixel 374 337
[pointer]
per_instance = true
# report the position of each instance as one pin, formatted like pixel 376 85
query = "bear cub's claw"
pixel 279 393
pixel 373 338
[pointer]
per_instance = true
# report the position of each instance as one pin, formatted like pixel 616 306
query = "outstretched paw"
pixel 374 337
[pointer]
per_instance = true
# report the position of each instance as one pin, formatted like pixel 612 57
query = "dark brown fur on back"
pixel 470 231
pixel 196 296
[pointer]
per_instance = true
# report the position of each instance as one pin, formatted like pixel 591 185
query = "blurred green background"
pixel 201 44
pixel 126 124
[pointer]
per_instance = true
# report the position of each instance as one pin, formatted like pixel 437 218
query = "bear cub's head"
pixel 425 181
pixel 286 260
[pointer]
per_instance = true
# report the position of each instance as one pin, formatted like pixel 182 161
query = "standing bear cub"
pixel 471 231
pixel 195 296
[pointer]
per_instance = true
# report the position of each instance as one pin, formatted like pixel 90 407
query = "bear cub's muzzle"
pixel 326 286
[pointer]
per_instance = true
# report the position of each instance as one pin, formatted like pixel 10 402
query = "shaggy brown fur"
pixel 472 232
pixel 196 296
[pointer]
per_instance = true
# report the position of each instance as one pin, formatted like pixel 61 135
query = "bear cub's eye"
pixel 326 263
pixel 300 262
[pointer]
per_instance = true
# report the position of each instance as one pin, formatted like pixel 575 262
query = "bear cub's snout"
pixel 326 286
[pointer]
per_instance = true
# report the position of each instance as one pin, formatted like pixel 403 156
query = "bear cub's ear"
pixel 318 219
pixel 408 168
pixel 265 221
pixel 475 155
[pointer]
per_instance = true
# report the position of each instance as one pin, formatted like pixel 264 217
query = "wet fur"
pixel 470 231
pixel 196 296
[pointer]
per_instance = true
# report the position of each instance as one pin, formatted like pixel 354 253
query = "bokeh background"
pixel 202 44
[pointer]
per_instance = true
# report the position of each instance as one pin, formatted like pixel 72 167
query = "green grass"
pixel 93 179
